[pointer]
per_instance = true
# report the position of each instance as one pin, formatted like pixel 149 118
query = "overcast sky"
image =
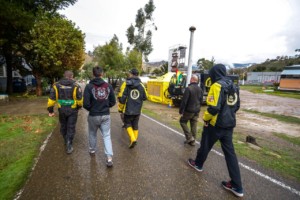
pixel 232 31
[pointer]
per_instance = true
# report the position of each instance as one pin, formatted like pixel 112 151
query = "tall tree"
pixel 205 65
pixel 16 18
pixel 55 45
pixel 111 58
pixel 133 59
pixel 140 35
pixel 87 71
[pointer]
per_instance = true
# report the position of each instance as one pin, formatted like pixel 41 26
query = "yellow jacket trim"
pixel 121 107
pixel 122 88
pixel 77 102
pixel 52 102
pixel 145 91
pixel 74 97
pixel 212 101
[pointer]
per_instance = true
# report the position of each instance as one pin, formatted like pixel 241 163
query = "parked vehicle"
pixel 176 90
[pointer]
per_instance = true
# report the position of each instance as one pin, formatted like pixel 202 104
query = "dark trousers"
pixel 210 136
pixel 132 121
pixel 193 118
pixel 68 119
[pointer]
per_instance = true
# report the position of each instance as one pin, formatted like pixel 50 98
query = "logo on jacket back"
pixel 232 99
pixel 134 94
pixel 100 93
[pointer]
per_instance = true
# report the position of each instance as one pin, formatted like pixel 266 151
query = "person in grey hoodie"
pixel 98 98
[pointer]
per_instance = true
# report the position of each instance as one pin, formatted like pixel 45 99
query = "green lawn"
pixel 20 140
pixel 268 90
pixel 283 118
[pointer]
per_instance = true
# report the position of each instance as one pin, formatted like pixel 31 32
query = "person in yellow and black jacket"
pixel 68 96
pixel 223 102
pixel 131 102
pixel 121 106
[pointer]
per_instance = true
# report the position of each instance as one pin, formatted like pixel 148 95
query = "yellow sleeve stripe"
pixel 121 107
pixel 51 102
pixel 122 88
pixel 207 116
pixel 56 92
pixel 145 90
pixel 77 102
pixel 212 101
pixel 213 95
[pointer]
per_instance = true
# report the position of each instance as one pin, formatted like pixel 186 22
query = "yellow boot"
pixel 136 134
pixel 132 137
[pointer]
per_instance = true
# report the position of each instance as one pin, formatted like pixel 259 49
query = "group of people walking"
pixel 98 97
pixel 219 118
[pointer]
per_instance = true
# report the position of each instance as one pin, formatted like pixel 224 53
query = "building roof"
pixel 291 70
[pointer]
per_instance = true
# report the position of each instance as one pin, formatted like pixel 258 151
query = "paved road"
pixel 155 169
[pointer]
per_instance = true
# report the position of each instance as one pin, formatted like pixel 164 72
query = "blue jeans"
pixel 103 123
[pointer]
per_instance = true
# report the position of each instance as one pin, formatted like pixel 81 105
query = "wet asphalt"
pixel 155 169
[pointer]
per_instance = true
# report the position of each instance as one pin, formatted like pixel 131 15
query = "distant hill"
pixel 152 65
pixel 155 64
pixel 242 65
pixel 275 65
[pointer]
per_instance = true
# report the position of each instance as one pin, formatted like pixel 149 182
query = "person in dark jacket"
pixel 132 99
pixel 190 108
pixel 98 98
pixel 68 96
pixel 219 120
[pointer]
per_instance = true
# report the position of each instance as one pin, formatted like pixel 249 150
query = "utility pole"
pixel 189 72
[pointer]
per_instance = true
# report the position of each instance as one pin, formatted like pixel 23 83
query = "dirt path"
pixel 252 124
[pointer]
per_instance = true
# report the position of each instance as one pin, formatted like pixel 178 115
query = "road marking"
pixel 281 184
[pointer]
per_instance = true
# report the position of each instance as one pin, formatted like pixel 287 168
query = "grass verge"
pixel 285 160
pixel 293 140
pixel 172 123
pixel 283 118
pixel 20 140
pixel 268 90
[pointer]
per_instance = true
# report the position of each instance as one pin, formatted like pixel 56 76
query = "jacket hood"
pixel 133 82
pixel 228 85
pixel 67 82
pixel 97 81
pixel 217 72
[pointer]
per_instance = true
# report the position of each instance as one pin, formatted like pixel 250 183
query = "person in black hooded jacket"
pixel 219 120
pixel 132 98
pixel 98 98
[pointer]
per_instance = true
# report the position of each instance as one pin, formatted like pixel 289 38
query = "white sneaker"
pixel 109 162
pixel 92 152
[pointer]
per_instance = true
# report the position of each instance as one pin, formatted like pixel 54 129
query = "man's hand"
pixel 51 114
